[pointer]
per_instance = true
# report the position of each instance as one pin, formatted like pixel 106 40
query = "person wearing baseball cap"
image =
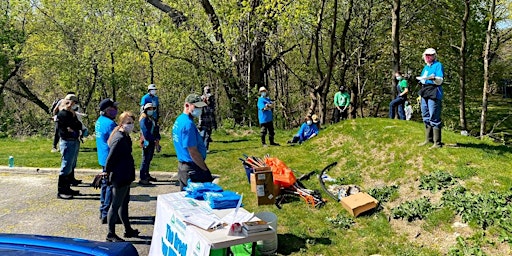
pixel 308 130
pixel 431 94
pixel 189 145
pixel 103 128
pixel 150 141
pixel 151 97
pixel 265 117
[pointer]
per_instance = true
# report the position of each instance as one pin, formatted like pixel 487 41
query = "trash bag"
pixel 283 175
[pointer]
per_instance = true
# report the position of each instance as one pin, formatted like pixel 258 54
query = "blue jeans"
pixel 69 151
pixel 398 102
pixel 431 112
pixel 105 197
pixel 147 156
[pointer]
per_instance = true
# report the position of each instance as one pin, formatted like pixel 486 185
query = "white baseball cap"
pixel 429 51
pixel 151 87
pixel 263 89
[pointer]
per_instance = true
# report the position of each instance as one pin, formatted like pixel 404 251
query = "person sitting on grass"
pixel 308 130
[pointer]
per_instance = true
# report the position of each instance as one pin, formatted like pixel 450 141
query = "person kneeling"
pixel 308 130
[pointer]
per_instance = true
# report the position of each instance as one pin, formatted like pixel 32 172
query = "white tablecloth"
pixel 172 236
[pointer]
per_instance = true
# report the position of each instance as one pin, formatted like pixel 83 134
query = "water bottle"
pixel 11 161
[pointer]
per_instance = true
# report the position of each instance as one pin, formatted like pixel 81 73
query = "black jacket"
pixel 67 119
pixel 120 164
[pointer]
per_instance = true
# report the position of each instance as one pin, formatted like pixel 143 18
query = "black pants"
pixel 339 114
pixel 191 171
pixel 119 208
pixel 56 135
pixel 270 127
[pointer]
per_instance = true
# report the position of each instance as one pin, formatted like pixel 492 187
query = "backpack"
pixel 55 103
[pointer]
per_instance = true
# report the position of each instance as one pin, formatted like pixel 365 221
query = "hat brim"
pixel 199 104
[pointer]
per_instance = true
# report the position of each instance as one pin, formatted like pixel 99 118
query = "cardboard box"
pixel 262 183
pixel 253 175
pixel 359 203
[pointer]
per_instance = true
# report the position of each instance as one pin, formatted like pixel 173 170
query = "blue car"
pixel 22 244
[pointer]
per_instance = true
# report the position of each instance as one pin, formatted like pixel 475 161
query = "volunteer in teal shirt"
pixel 189 145
pixel 265 107
pixel 431 93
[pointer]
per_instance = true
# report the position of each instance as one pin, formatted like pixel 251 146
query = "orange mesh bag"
pixel 283 176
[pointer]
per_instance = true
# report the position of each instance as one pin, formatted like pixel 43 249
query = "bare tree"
pixel 487 57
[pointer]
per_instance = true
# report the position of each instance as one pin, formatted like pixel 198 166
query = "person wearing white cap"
pixel 308 130
pixel 265 106
pixel 431 94
pixel 151 97
pixel 150 137
pixel 189 145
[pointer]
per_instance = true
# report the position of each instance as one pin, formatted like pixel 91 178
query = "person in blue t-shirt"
pixel 431 94
pixel 189 145
pixel 151 97
pixel 308 130
pixel 265 106
pixel 103 128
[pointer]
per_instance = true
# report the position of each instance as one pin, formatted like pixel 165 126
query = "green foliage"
pixel 384 194
pixel 436 181
pixel 412 210
pixel 341 221
pixel 466 247
pixel 483 209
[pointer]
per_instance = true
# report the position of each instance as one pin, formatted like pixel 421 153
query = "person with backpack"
pixel 401 98
pixel 150 139
pixel 207 121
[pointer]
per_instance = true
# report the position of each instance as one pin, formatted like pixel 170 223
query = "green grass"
pixel 369 152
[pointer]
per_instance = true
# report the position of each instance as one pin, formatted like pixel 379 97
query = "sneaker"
pixel 54 150
pixel 265 145
pixel 64 196
pixel 274 144
pixel 144 182
pixel 114 238
pixel 153 179
pixel 131 233
pixel 74 192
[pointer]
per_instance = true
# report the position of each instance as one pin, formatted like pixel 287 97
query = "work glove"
pixel 85 132
pixel 145 144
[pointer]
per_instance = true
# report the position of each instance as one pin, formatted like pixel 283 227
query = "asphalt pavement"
pixel 29 205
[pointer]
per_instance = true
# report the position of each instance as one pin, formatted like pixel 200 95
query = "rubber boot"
pixel 437 138
pixel 62 192
pixel 428 136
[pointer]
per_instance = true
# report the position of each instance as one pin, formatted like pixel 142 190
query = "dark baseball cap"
pixel 195 100
pixel 104 104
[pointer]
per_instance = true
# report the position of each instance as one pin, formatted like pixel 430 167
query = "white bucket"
pixel 267 247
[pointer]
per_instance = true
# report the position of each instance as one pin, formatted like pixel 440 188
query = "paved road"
pixel 29 205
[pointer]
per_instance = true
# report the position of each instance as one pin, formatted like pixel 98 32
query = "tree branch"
pixel 278 57
pixel 177 16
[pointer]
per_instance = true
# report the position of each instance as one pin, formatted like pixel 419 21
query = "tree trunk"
pixel 395 37
pixel 487 53
pixel 462 66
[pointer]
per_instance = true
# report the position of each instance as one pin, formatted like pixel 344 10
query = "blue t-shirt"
pixel 437 70
pixel 184 135
pixel 307 130
pixel 153 99
pixel 264 116
pixel 103 128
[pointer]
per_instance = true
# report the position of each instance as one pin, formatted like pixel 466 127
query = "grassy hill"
pixel 374 154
